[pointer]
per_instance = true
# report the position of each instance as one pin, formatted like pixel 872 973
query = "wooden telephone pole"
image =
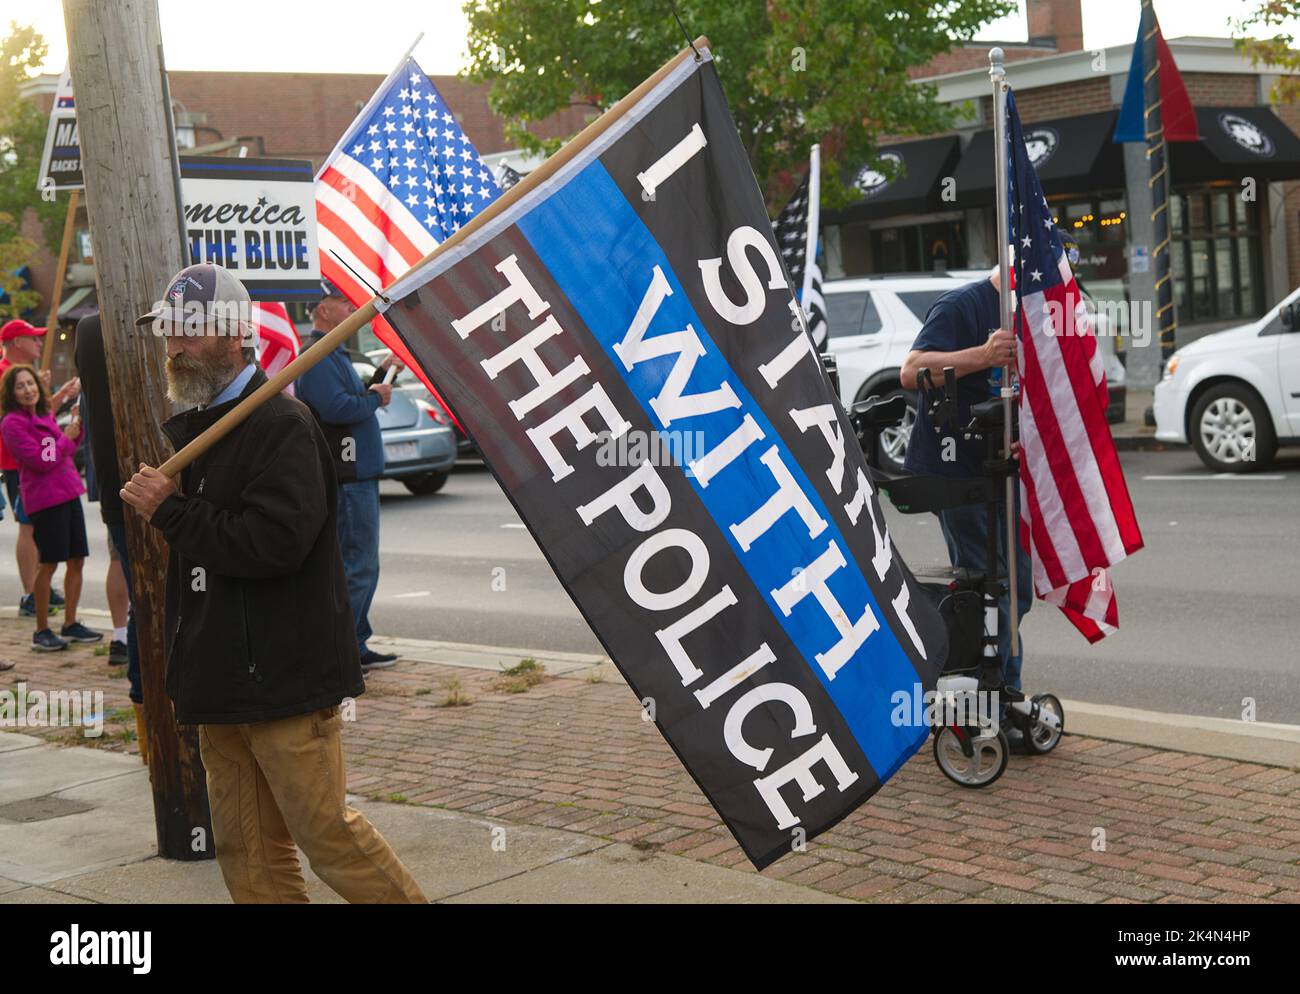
pixel 127 162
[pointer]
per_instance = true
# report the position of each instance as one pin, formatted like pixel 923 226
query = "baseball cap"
pixel 200 293
pixel 1070 244
pixel 328 289
pixel 17 328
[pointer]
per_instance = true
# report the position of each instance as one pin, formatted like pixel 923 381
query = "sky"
pixel 327 36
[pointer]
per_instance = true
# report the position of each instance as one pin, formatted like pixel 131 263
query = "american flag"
pixel 1076 518
pixel 798 244
pixel 403 178
pixel 278 343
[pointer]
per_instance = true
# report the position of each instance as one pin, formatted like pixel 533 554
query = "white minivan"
pixel 1235 394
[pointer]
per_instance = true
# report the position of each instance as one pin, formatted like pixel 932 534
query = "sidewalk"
pixel 593 806
pixel 1133 433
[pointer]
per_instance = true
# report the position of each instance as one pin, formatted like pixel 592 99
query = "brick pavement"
pixel 574 753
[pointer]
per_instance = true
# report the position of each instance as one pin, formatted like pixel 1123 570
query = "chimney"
pixel 1058 23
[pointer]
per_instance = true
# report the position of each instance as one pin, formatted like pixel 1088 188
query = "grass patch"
pixel 521 677
pixel 423 690
pixel 454 695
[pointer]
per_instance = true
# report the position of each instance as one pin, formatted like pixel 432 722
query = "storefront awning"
pixel 921 167
pixel 78 303
pixel 1236 142
pixel 1071 155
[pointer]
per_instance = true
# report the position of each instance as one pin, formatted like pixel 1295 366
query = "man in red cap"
pixel 21 344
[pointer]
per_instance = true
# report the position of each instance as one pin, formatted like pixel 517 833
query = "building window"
pixel 918 248
pixel 1215 255
pixel 1100 226
pixel 861 249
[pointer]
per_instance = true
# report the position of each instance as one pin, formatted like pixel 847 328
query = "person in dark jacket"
pixel 97 421
pixel 260 642
pixel 346 409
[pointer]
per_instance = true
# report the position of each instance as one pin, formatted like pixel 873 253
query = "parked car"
pixel 1235 394
pixel 409 383
pixel 419 444
pixel 873 322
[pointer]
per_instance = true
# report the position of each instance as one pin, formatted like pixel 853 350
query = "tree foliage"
pixel 22 139
pixel 795 71
pixel 1271 16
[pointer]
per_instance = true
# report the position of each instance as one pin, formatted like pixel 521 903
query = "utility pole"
pixel 127 162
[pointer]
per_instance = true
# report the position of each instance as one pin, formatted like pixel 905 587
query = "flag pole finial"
pixel 996 68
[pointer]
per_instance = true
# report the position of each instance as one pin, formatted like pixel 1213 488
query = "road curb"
pixel 1147 443
pixel 1266 743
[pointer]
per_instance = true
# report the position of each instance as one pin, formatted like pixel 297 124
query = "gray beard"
pixel 198 384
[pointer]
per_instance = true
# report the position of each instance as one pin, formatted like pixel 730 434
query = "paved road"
pixel 1209 609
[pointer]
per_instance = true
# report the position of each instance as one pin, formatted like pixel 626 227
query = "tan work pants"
pixel 274 783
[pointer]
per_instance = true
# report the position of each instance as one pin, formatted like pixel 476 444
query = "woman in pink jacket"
pixel 51 490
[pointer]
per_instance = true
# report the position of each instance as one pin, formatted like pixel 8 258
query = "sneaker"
pixel 77 632
pixel 371 660
pixel 46 641
pixel 56 599
pixel 27 606
pixel 117 654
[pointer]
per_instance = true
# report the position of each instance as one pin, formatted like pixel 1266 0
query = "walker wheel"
pixel 971 756
pixel 1040 737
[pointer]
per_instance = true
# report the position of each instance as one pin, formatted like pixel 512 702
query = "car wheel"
pixel 429 483
pixel 891 445
pixel 1231 429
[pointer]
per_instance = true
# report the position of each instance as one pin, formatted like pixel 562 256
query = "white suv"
pixel 873 322
pixel 1235 394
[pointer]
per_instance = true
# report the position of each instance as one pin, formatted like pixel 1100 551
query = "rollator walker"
pixel 970 748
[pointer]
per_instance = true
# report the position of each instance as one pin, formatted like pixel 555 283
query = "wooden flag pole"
pixel 346 328
pixel 52 320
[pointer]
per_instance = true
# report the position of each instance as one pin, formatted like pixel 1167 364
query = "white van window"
pixel 919 302
pixel 851 314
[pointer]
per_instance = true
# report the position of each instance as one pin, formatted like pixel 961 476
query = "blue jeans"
pixel 965 529
pixel 117 535
pixel 359 542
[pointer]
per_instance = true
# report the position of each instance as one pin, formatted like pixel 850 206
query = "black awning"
pixel 1071 155
pixel 921 167
pixel 1236 142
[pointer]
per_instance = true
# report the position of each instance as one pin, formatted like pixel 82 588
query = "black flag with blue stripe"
pixel 619 338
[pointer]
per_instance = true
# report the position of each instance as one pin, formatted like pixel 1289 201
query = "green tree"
pixel 795 71
pixel 22 139
pixel 1272 17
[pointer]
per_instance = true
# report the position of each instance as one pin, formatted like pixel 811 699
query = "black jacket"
pixel 258 620
pixel 97 417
